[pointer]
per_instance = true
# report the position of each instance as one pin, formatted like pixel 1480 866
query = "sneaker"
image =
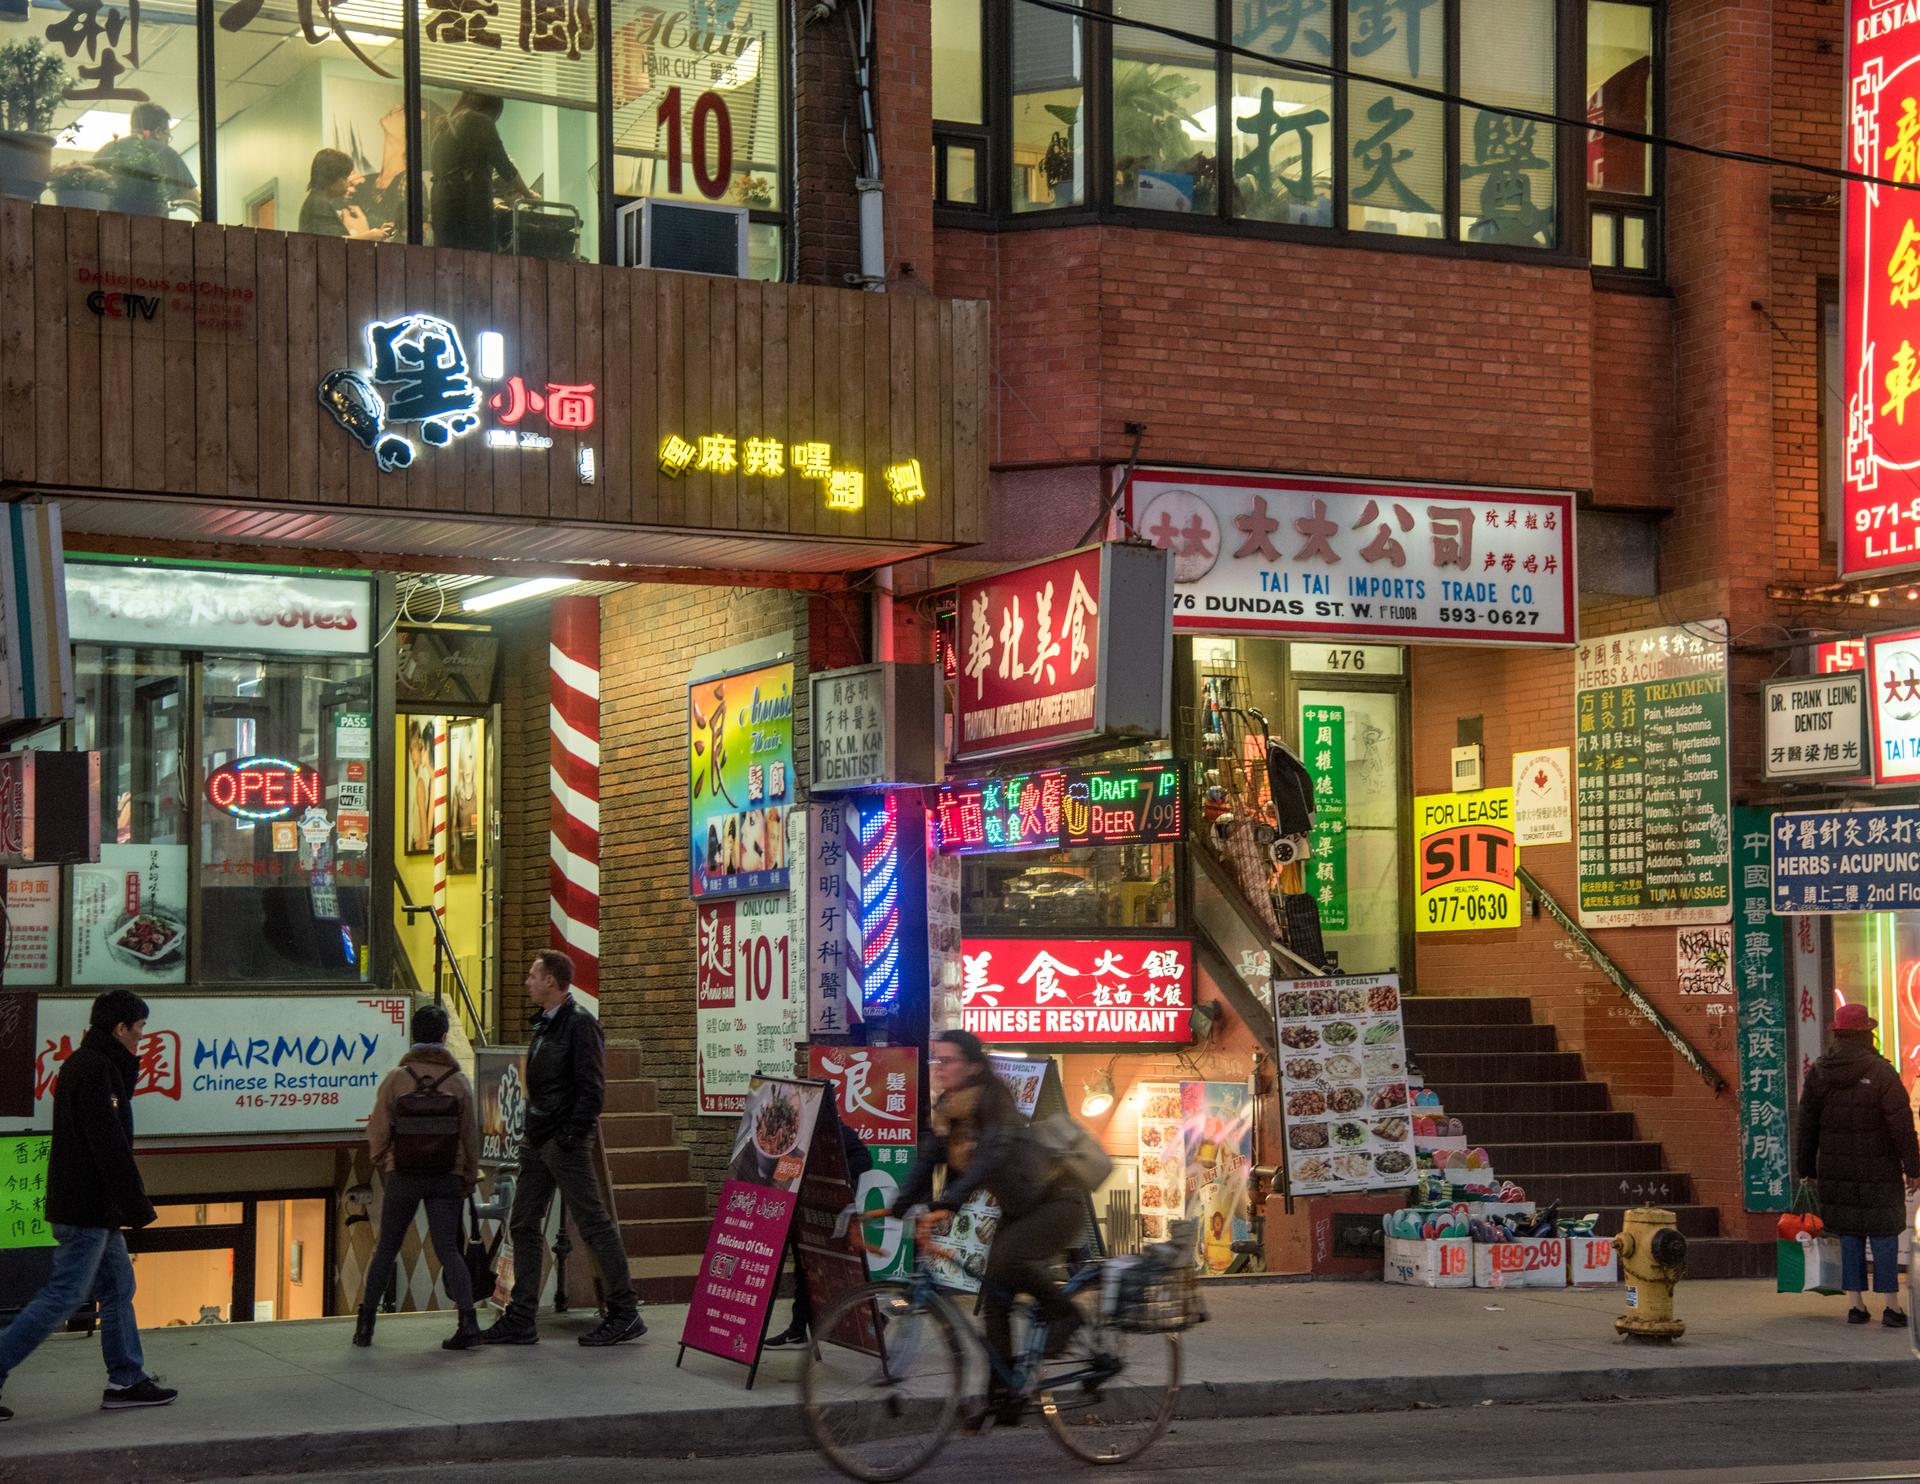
pixel 6 1414
pixel 1858 1316
pixel 145 1393
pixel 793 1335
pixel 1894 1319
pixel 504 1331
pixel 616 1329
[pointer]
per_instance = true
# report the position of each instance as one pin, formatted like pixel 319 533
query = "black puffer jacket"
pixel 1857 1139
pixel 566 1075
pixel 91 1177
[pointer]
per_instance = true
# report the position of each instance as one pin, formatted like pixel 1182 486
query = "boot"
pixel 363 1330
pixel 466 1336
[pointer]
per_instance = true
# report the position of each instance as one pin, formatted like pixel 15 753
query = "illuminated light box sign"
pixel 263 787
pixel 980 815
pixel 1137 805
pixel 760 457
pixel 1077 991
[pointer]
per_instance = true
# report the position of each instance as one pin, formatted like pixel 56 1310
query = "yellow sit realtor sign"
pixel 1465 862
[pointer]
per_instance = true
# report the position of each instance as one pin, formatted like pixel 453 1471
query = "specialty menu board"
pixel 1650 769
pixel 1343 1084
pixel 1163 1159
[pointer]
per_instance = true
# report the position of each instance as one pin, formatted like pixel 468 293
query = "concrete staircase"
pixel 1548 1128
pixel 661 1208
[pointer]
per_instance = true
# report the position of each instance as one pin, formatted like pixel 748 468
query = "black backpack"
pixel 426 1127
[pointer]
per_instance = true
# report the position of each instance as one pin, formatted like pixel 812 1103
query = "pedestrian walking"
pixel 566 1089
pixel 94 1190
pixel 1857 1143
pixel 424 1136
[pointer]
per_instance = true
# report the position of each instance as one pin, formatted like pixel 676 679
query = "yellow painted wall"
pixel 465 915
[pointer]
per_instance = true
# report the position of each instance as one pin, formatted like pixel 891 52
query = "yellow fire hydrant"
pixel 1653 1256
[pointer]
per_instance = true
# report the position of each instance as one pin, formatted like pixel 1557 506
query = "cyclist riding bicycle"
pixel 981 1139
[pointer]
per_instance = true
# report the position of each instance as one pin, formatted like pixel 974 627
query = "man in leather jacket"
pixel 566 1088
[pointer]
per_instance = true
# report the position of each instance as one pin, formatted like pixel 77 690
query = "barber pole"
pixel 438 795
pixel 573 772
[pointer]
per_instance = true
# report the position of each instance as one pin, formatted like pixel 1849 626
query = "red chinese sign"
pixel 1067 991
pixel 1030 657
pixel 1880 292
pixel 158 1072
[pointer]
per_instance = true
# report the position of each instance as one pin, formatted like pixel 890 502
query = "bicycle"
pixel 887 1370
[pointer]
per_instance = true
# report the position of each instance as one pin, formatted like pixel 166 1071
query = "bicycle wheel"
pixel 883 1380
pixel 1112 1396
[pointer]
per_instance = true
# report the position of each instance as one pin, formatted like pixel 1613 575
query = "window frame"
pixel 1650 208
pixel 1571 206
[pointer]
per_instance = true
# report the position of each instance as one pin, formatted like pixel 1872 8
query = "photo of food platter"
pixel 1163 1158
pixel 1344 1089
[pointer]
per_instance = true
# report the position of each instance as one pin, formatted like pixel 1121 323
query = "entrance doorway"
pixel 225 1260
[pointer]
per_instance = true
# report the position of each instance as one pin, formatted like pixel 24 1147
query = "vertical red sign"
pixel 1029 657
pixel 1880 292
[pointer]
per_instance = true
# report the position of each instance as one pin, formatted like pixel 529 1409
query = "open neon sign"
pixel 263 787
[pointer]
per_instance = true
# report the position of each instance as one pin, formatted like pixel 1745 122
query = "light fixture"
pixel 1913 595
pixel 500 596
pixel 493 355
pixel 1873 600
pixel 1098 1093
pixel 1204 1020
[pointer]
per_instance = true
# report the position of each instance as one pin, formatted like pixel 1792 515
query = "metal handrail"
pixel 1620 981
pixel 443 951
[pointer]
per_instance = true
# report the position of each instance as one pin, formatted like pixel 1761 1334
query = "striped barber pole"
pixel 573 773
pixel 439 808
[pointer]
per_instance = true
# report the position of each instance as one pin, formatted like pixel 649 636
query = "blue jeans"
pixel 1886 1264
pixel 90 1262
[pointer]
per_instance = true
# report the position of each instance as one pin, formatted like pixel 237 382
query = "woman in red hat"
pixel 1857 1141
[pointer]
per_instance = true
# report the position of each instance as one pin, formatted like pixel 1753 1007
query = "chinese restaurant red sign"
pixel 1066 991
pixel 1063 652
pixel 1256 554
pixel 1880 292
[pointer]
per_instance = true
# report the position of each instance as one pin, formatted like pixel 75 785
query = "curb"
pixel 739 1431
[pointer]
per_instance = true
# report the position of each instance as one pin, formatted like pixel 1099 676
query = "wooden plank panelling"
pixel 304 427
pixel 118 421
pixel 19 372
pixel 50 279
pixel 243 378
pixel 270 352
pixel 183 400
pixel 83 352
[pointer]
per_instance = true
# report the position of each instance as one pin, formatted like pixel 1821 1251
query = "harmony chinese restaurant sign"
pixel 231 1064
pixel 1260 554
pixel 1064 653
pixel 1077 991
pixel 1880 292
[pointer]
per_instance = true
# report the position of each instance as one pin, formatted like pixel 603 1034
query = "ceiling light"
pixel 1098 1094
pixel 1873 600
pixel 501 596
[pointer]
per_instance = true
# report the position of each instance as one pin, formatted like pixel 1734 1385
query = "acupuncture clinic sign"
pixel 1065 991
pixel 1064 652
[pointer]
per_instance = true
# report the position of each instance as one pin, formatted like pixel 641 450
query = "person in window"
pixel 149 178
pixel 467 159
pixel 327 211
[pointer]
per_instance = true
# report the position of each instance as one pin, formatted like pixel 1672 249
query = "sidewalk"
pixel 281 1398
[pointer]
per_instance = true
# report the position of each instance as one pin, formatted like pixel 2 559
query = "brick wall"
pixel 825 148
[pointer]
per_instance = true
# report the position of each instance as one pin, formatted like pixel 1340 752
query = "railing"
pixel 444 959
pixel 1620 981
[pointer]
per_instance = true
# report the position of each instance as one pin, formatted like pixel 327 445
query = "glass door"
pixel 1353 743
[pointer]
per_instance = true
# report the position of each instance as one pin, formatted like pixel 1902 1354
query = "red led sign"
pixel 1066 991
pixel 263 787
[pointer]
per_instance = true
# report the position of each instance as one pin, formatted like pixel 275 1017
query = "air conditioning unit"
pixel 686 236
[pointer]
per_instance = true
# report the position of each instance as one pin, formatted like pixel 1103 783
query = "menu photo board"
pixel 1343 1084
pixel 1163 1158
pixel 1655 841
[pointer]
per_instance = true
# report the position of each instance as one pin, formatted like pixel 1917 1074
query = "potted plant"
pixel 81 184
pixel 33 80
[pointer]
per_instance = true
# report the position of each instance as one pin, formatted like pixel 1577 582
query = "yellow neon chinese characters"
pixel 766 456
pixel 718 454
pixel 1905 149
pixel 813 460
pixel 846 490
pixel 904 483
pixel 1902 382
pixel 675 455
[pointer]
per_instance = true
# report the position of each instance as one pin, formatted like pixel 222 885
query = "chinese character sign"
pixel 1323 734
pixel 1847 860
pixel 749 1015
pixel 1067 991
pixel 23 1192
pixel 1257 554
pixel 1465 868
pixel 831 1009
pixel 877 1092
pixel 1030 656
pixel 740 780
pixel 1760 986
pixel 1893 670
pixel 1880 284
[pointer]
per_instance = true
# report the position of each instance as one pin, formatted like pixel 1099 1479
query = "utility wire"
pixel 1347 74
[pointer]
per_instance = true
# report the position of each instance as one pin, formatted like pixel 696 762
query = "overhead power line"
pixel 1329 72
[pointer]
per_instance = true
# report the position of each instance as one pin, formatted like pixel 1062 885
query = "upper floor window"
pixel 482 124
pixel 1623 91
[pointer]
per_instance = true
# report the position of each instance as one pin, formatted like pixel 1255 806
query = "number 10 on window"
pixel 712 130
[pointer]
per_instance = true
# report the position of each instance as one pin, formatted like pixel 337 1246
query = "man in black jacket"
pixel 93 1190
pixel 566 1088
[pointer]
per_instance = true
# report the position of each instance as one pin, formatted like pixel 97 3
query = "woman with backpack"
pixel 424 1137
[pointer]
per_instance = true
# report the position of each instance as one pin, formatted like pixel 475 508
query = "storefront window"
pixel 311 130
pixel 1622 90
pixel 1069 891
pixel 1397 149
pixel 1165 120
pixel 1282 120
pixel 290 894
pixel 1506 164
pixel 130 108
pixel 1048 111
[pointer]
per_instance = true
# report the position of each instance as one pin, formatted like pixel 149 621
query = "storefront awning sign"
pixel 1880 294
pixel 1064 653
pixel 1847 860
pixel 1893 667
pixel 1077 991
pixel 1269 555
pixel 1816 726
pixel 195 608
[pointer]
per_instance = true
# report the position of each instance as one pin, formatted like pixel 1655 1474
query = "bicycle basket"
pixel 1156 1293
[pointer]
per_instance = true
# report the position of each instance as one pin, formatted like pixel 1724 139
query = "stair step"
pixel 1525 1128
pixel 1517 1066
pixel 1586 1190
pixel 643 1200
pixel 665 1280
pixel 1521 1161
pixel 633 1095
pixel 624 1059
pixel 669 1164
pixel 664 1237
pixel 1443 1040
pixel 1693 1221
pixel 1429 1009
pixel 1727 1257
pixel 637 1130
pixel 1462 1100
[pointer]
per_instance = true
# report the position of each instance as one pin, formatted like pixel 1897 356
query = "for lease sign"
pixel 1465 867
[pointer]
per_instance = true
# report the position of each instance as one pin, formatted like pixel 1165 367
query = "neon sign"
pixel 263 787
pixel 985 814
pixel 768 458
pixel 873 901
pixel 1134 805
